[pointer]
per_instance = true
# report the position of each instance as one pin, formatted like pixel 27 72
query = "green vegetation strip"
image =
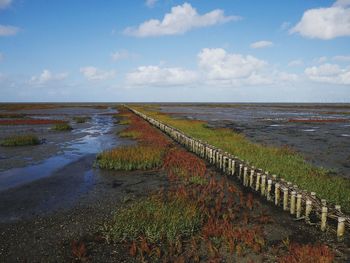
pixel 62 127
pixel 281 161
pixel 154 219
pixel 20 140
pixel 131 158
pixel 81 119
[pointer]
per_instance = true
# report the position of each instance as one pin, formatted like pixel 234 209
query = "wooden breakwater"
pixel 301 204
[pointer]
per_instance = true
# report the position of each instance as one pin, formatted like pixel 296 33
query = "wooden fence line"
pixel 300 203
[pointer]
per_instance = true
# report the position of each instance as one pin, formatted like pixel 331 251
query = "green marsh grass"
pixel 62 127
pixel 81 119
pixel 147 154
pixel 20 140
pixel 131 158
pixel 130 134
pixel 280 161
pixel 124 122
pixel 155 219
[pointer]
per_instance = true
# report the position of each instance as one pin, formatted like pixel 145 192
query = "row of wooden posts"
pixel 300 203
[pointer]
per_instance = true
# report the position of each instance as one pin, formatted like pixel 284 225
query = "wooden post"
pixel 292 202
pixel 263 185
pixel 341 228
pixel 285 198
pixel 224 164
pixel 308 209
pixel 229 169
pixel 251 180
pixel 277 194
pixel 240 172
pixel 299 196
pixel 338 208
pixel 233 167
pixel 268 192
pixel 245 176
pixel 313 195
pixel 257 183
pixel 324 218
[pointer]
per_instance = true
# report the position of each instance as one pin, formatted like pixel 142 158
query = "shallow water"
pixel 323 144
pixel 97 137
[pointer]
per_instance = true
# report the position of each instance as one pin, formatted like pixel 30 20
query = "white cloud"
pixel 216 68
pixel 341 58
pixel 342 3
pixel 320 60
pixel 160 76
pixel 151 3
pixel 325 23
pixel 181 19
pixel 5 3
pixel 221 65
pixel 295 63
pixel 329 73
pixel 286 77
pixel 47 76
pixel 8 30
pixel 93 73
pixel 261 44
pixel 122 54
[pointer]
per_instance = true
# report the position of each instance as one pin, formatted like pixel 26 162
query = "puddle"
pixel 96 138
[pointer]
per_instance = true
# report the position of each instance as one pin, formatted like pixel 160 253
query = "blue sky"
pixel 167 50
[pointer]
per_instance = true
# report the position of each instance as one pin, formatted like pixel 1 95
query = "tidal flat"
pixel 53 195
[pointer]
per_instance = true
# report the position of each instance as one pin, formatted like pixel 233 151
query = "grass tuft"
pixel 130 158
pixel 62 127
pixel 20 140
pixel 156 220
pixel 130 134
pixel 81 119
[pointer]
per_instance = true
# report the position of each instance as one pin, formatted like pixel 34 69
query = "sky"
pixel 175 51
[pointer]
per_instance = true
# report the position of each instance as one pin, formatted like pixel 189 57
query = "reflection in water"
pixel 97 138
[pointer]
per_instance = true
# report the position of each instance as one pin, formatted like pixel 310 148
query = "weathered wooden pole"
pixel 263 184
pixel 292 202
pixel 277 194
pixel 251 179
pixel 245 176
pixel 285 198
pixel 308 209
pixel 268 192
pixel 233 167
pixel 341 229
pixel 324 218
pixel 257 183
pixel 299 198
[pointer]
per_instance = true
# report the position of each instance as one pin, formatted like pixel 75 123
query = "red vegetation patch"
pixel 317 120
pixel 308 254
pixel 179 162
pixel 232 223
pixel 149 135
pixel 30 122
